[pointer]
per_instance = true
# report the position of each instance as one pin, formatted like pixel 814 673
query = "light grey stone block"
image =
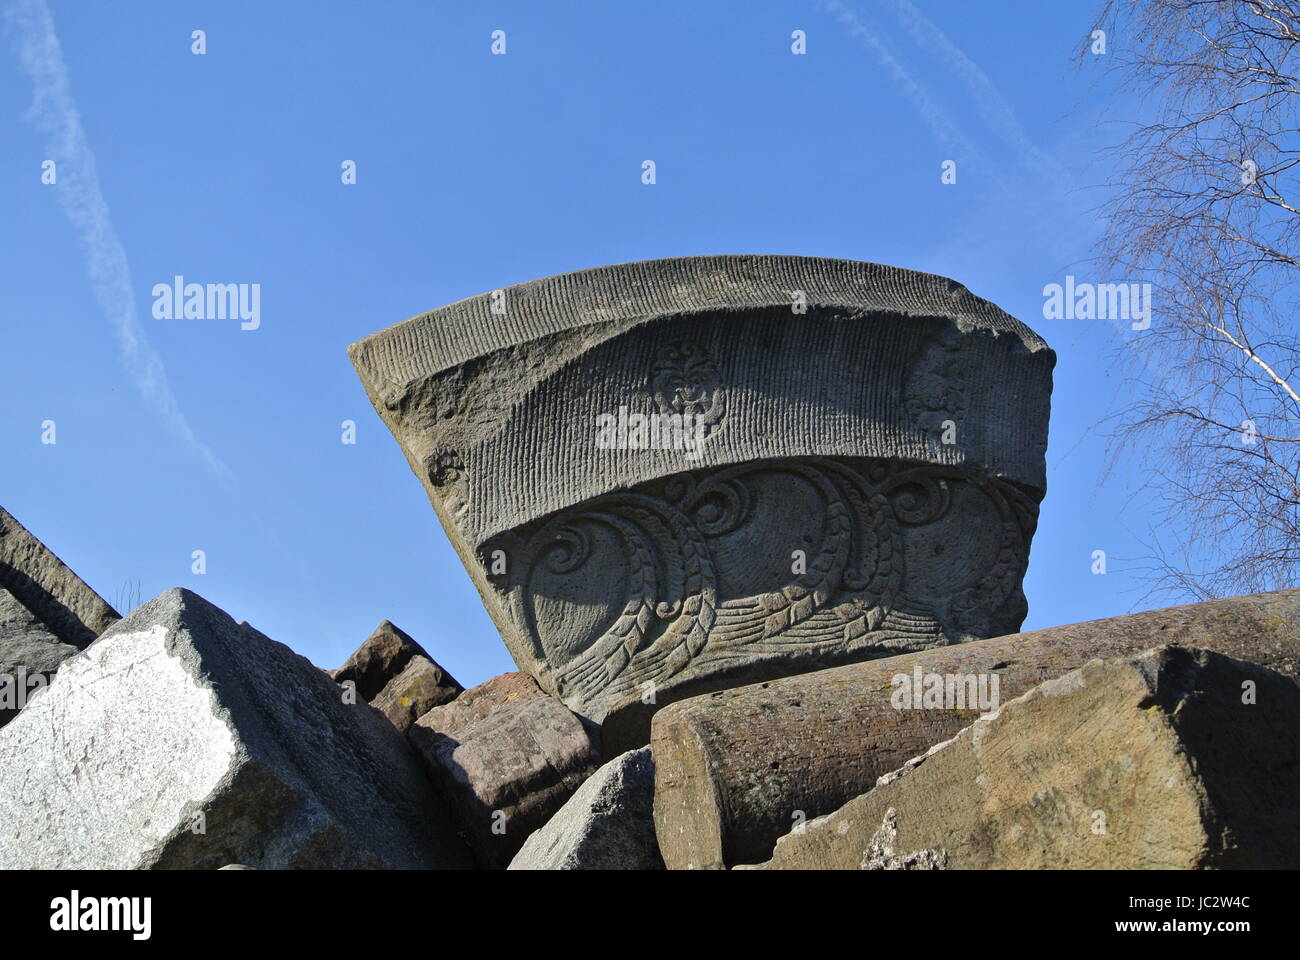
pixel 678 475
pixel 181 739
pixel 607 825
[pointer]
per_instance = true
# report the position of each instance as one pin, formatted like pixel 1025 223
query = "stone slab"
pixel 1177 759
pixel 181 739
pixel 72 611
pixel 736 769
pixel 608 824
pixel 506 757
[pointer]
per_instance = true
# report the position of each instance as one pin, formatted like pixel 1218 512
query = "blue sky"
pixel 476 171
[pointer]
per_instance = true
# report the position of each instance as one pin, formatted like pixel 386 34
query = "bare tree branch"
pixel 1203 205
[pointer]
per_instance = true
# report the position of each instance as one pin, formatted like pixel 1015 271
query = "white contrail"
pixel 992 106
pixel 55 114
pixel 935 118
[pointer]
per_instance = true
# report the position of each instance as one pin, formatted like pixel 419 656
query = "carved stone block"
pixel 677 475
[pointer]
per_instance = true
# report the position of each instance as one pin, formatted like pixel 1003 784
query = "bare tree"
pixel 1205 204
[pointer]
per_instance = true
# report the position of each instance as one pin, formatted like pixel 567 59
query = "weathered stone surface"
pixel 607 825
pixel 699 472
pixel 381 657
pixel 1176 759
pixel 394 674
pixel 505 756
pixel 421 686
pixel 821 739
pixel 47 613
pixel 44 585
pixel 29 655
pixel 183 739
pixel 25 638
pixel 477 703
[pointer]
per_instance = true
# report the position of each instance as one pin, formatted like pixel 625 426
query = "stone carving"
pixel 447 474
pixel 685 381
pixel 680 475
pixel 935 392
pixel 801 561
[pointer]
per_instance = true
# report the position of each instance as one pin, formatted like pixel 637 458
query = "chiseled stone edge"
pixel 549 323
pixel 623 295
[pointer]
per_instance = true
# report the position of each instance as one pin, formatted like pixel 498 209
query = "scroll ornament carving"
pixel 852 590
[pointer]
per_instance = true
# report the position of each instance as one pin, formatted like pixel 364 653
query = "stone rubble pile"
pixel 182 739
pixel 823 738
pixel 187 740
pixel 754 530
